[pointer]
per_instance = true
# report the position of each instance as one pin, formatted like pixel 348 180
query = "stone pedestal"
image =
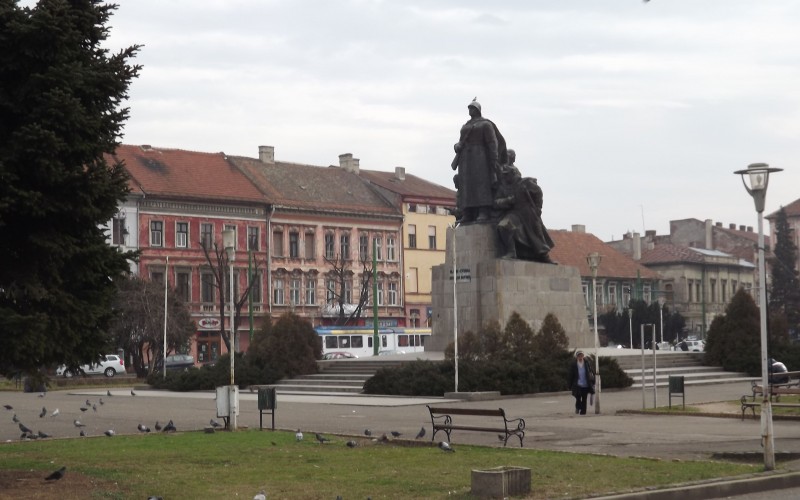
pixel 501 482
pixel 490 289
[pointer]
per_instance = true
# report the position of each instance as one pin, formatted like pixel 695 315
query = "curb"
pixel 727 488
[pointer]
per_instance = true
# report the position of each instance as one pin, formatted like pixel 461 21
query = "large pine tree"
pixel 60 112
pixel 784 296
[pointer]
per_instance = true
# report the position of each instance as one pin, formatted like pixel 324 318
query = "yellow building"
pixel 427 211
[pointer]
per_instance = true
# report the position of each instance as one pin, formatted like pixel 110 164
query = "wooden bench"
pixel 752 405
pixel 776 389
pixel 442 420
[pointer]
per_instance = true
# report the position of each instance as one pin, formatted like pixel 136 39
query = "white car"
pixel 694 345
pixel 109 365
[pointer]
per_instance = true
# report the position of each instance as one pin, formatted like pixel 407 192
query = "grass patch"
pixel 678 409
pixel 230 465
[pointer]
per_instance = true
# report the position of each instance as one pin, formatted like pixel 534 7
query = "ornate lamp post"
pixel 661 300
pixel 758 176
pixel 593 259
pixel 229 242
pixel 630 325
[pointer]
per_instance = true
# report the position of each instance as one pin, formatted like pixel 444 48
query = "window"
pixel 330 247
pixel 331 342
pixel 231 227
pixel 380 293
pixel 412 236
pixel 277 244
pixel 585 287
pixel 432 237
pixel 277 292
pixel 626 294
pixel 311 291
pixel 356 341
pixel 697 295
pixel 392 293
pixel 690 289
pixel 255 288
pixel 182 286
pixel 363 247
pixel 646 294
pixel 378 242
pixel 252 238
pixel 733 287
pixel 294 292
pixel 411 280
pixel 723 289
pixel 713 284
pixel 294 245
pixel 206 235
pixel 207 287
pixel 415 318
pixel 309 245
pixel 612 294
pixel 412 207
pixel 390 244
pixel 118 231
pixel 156 233
pixel 344 246
pixel 157 277
pixel 348 291
pixel 330 291
pixel 181 234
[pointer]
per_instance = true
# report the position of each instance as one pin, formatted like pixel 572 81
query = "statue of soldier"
pixel 480 151
pixel 520 228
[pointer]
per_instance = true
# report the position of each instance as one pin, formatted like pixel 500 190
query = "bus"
pixel 358 340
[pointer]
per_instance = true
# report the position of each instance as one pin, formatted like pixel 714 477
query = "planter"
pixel 501 482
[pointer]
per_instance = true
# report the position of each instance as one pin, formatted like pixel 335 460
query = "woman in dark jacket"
pixel 581 381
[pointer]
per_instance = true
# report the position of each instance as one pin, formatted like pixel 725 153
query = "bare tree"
pixel 342 274
pixel 218 262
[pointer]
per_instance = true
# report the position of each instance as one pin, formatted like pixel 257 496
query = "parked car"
pixel 339 355
pixel 180 362
pixel 692 345
pixel 390 352
pixel 109 365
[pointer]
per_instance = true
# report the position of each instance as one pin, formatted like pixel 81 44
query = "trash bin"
pixel 676 388
pixel 267 398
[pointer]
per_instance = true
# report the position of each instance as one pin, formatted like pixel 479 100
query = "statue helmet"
pixel 474 104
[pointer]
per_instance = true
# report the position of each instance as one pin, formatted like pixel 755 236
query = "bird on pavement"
pixel 155 498
pixel 351 444
pixel 396 434
pixel 43 412
pixel 213 423
pixel 298 435
pixel 43 435
pixel 88 403
pixel 132 393
pixel 384 438
pixel 77 423
pixel 445 446
pixel 157 426
pixel 8 407
pixel 15 419
pixel 42 394
pixel 421 433
pixel 143 428
pixel 170 427
pixel 83 433
pixel 94 407
pixel 55 476
pixel 108 393
pixel 55 413
pixel 24 428
pixel 321 438
pixel 260 496
pixel 102 402
pixel 367 432
pixel 83 408
pixel 110 433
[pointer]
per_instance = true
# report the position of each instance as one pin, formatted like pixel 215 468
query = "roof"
pixel 792 210
pixel 674 254
pixel 409 187
pixel 185 174
pixel 295 185
pixel 571 248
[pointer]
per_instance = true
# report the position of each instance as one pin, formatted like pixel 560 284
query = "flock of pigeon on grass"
pixel 29 434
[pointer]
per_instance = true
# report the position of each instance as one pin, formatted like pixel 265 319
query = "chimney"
pixel 718 224
pixel 348 163
pixel 579 228
pixel 650 233
pixel 732 226
pixel 637 247
pixel 146 147
pixel 742 227
pixel 749 229
pixel 400 173
pixel 709 235
pixel 266 154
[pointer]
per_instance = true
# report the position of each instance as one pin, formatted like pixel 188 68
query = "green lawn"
pixel 237 465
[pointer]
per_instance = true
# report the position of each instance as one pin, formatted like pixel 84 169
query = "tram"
pixel 358 340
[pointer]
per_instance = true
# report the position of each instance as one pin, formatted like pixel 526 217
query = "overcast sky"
pixel 629 113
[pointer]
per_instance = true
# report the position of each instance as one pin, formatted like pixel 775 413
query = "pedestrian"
pixel 581 381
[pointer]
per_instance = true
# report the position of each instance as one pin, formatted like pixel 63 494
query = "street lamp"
pixel 229 242
pixel 593 259
pixel 661 300
pixel 758 175
pixel 630 325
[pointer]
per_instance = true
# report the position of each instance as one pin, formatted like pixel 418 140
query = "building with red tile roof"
pixel 793 218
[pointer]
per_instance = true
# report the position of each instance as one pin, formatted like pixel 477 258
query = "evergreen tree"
pixel 551 338
pixel 518 339
pixel 734 340
pixel 784 296
pixel 60 114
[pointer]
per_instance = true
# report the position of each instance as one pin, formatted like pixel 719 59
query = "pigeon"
pixel 43 435
pixel 83 408
pixel 298 435
pixel 15 419
pixel 367 432
pixel 501 437
pixel 170 427
pixel 43 412
pixel 351 444
pixel 78 423
pixel 396 434
pixel 213 423
pixel 88 403
pixel 445 446
pixel 55 476
pixel 8 407
pixel 260 496
pixel 94 407
pixel 321 438
pixel 384 438
pixel 55 413
pixel 41 394
pixel 143 428
pixel 110 433
pixel 83 434
pixel 24 428
pixel 102 402
pixel 157 426
pixel 132 393
pixel 155 498
pixel 108 393
pixel 421 433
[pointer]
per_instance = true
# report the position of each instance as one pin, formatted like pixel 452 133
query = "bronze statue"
pixel 480 151
pixel 518 202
